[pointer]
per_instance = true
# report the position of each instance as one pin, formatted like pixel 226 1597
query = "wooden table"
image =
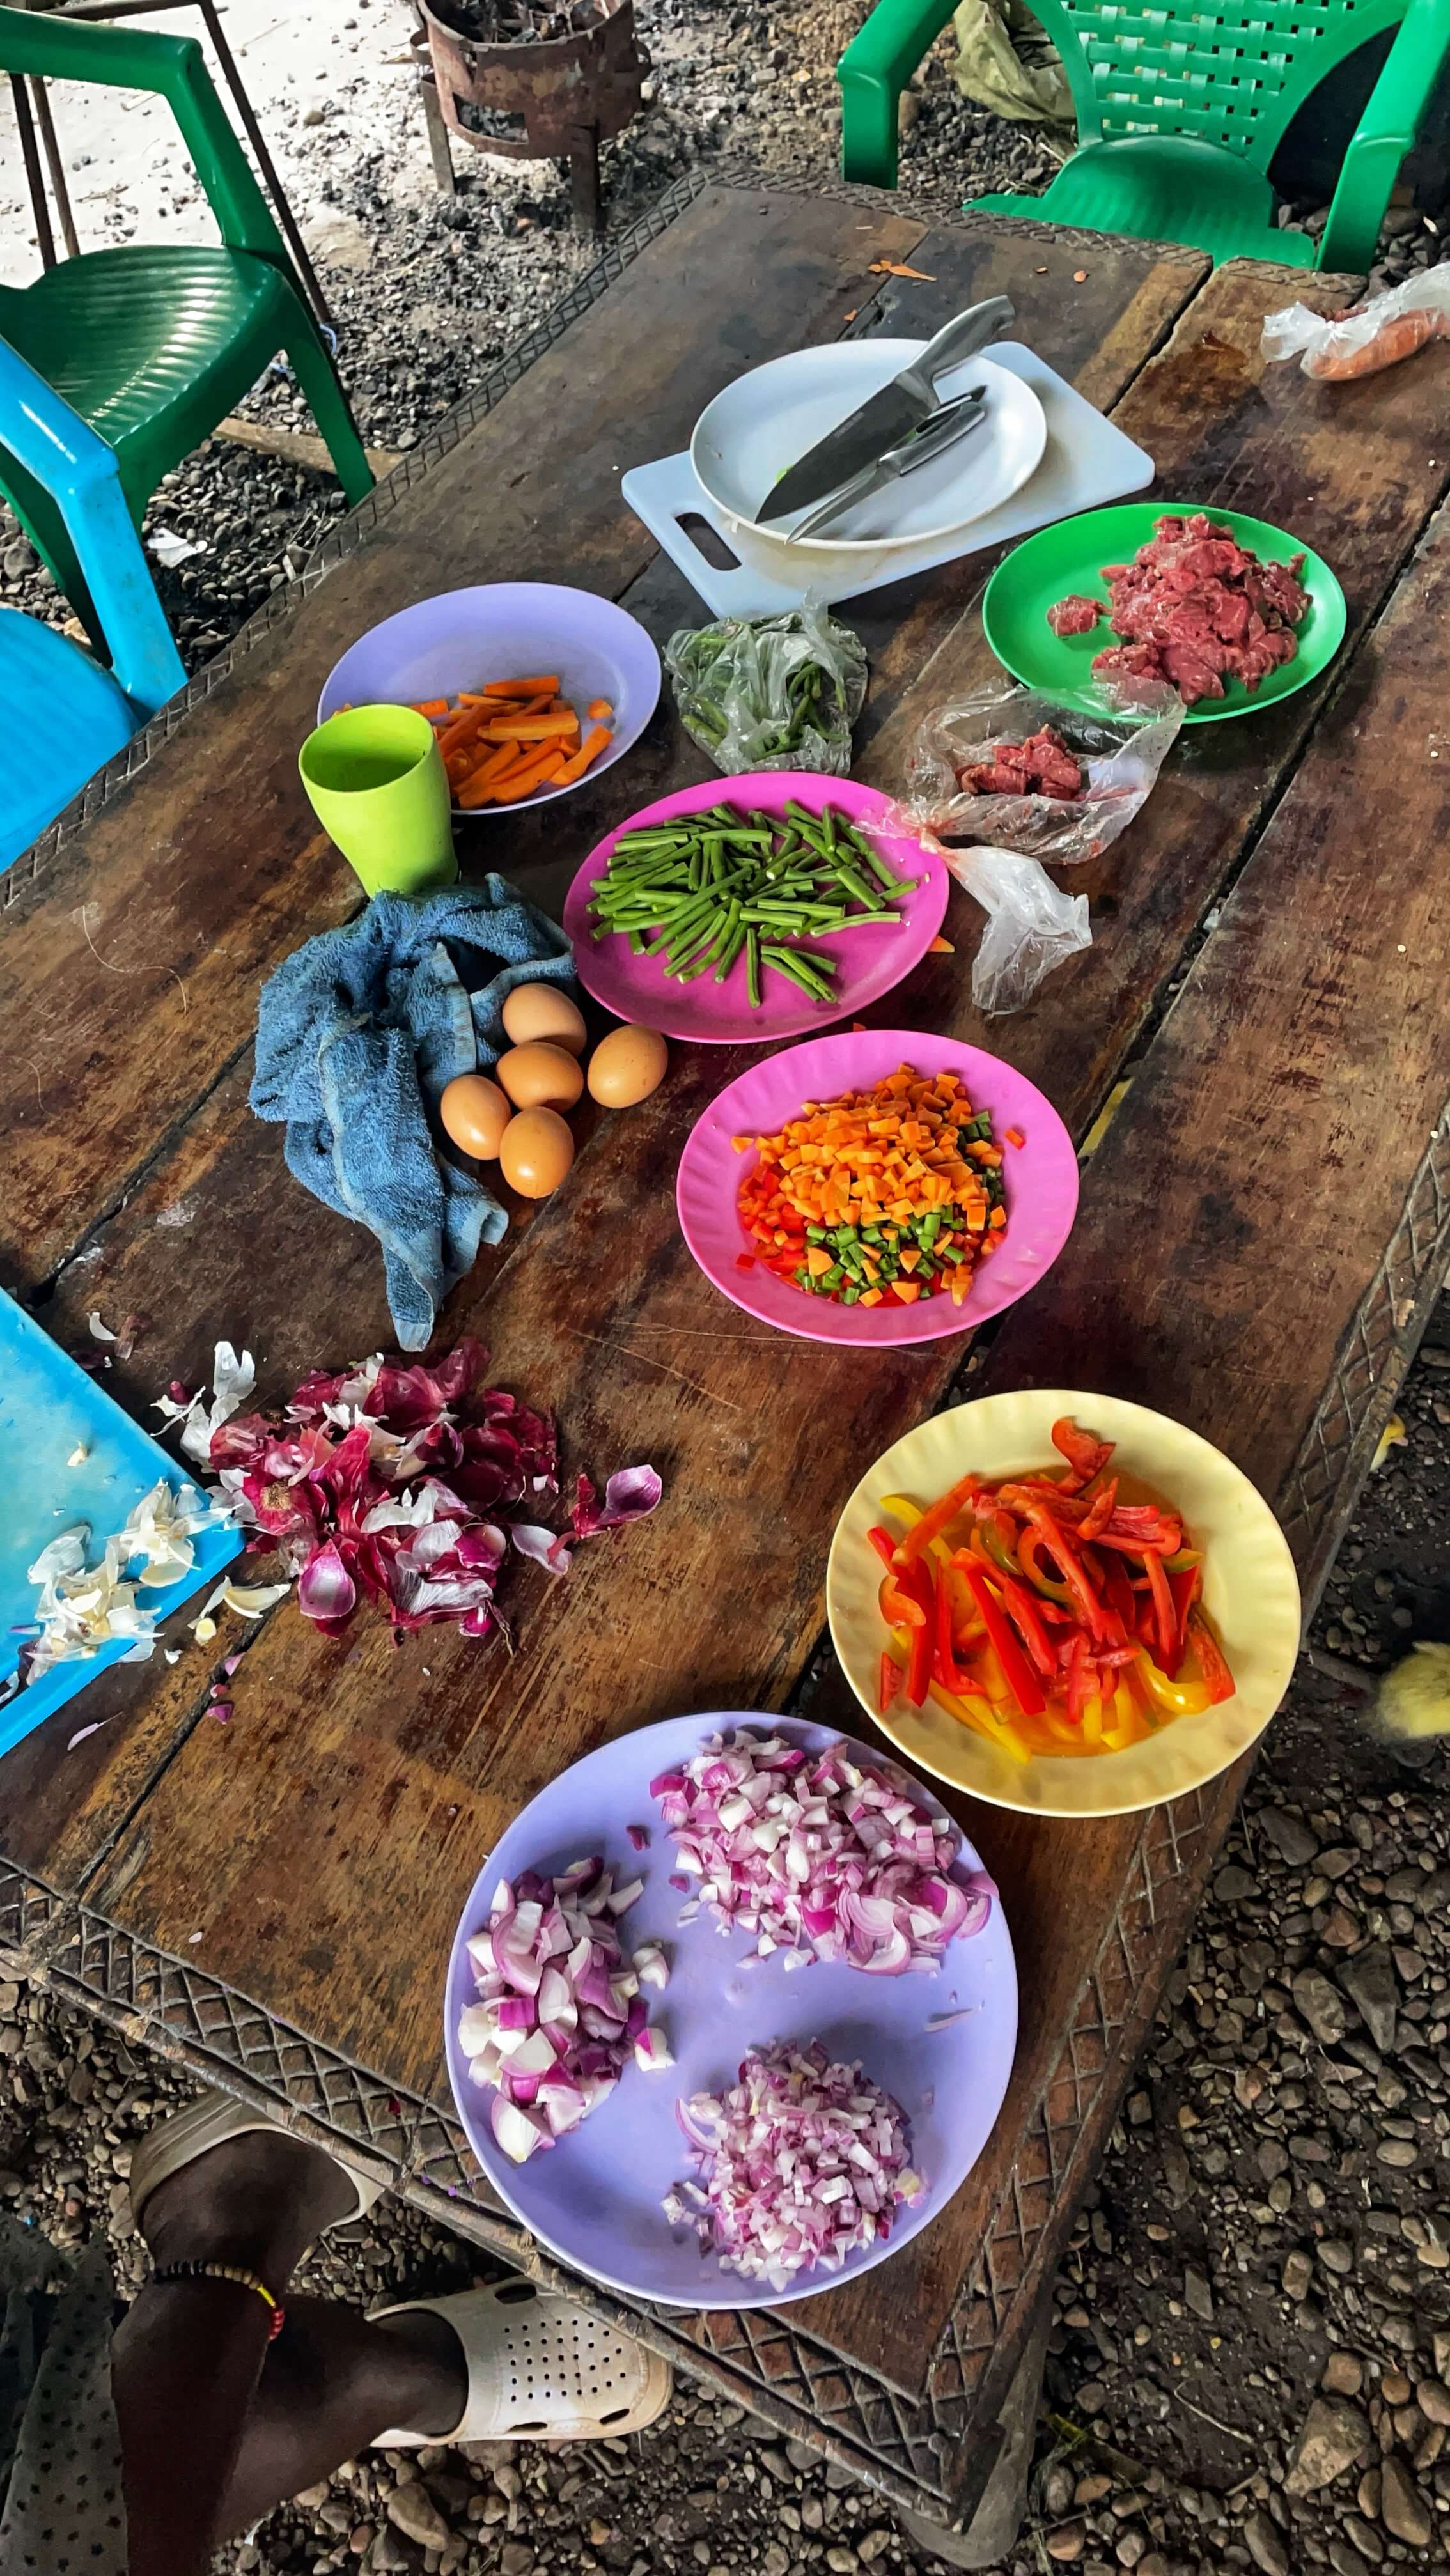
pixel 1259 1238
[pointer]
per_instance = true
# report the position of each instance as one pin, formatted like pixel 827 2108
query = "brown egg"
pixel 627 1066
pixel 536 1152
pixel 542 1011
pixel 475 1113
pixel 540 1077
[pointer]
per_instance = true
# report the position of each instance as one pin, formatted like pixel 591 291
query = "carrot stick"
pixel 547 687
pixel 462 733
pixel 522 782
pixel 432 707
pixel 587 753
pixel 600 711
pixel 503 757
pixel 477 791
pixel 530 728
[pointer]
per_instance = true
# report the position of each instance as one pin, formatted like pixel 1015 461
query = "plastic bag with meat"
pixel 965 752
pixel 1375 335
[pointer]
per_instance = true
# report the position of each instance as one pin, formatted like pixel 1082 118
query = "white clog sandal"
pixel 209 2122
pixel 540 2369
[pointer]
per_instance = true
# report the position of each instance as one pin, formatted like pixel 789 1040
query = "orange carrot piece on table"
pixel 587 753
pixel 547 686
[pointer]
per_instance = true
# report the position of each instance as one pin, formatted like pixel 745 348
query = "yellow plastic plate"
pixel 1250 1591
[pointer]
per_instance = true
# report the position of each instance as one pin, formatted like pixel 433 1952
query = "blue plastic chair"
pixel 66 714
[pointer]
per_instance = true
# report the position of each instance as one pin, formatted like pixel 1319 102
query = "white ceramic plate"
pixel 767 420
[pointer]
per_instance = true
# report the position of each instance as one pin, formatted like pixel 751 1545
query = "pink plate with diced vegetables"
pixel 667 1971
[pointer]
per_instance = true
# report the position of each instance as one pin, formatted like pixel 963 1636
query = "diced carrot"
pixel 600 711
pixel 817 1260
pixel 596 740
pixel 547 687
pixel 432 707
pixel 942 947
pixel 1014 1135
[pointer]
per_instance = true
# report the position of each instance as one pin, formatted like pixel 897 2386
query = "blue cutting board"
pixel 48 1408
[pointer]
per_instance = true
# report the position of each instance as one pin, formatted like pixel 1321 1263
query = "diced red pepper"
pixel 1211 1663
pixel 745 1261
pixel 890 1684
pixel 1016 1670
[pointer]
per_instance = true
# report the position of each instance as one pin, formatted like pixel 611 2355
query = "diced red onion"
pixel 559 2010
pixel 817 1856
pixel 802 2163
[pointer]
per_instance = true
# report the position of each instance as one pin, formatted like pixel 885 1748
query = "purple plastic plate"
pixel 594 2198
pixel 1041 1181
pixel 869 961
pixel 506 630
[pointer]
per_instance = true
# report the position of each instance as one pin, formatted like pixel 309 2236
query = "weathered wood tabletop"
pixel 1258 1236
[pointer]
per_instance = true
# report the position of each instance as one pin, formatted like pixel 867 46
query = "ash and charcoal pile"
pixel 514 22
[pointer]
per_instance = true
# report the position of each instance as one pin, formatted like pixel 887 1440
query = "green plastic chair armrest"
pixel 174 67
pixel 1383 136
pixel 873 72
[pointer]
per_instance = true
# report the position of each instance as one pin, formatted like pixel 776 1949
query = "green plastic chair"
pixel 1179 113
pixel 153 345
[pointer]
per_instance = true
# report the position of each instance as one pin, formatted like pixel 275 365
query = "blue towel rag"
pixel 359 1032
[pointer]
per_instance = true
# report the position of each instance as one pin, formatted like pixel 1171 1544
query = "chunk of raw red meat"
pixel 1076 615
pixel 1196 608
pixel 1040 766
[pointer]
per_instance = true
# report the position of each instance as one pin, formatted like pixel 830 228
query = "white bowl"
pixel 767 420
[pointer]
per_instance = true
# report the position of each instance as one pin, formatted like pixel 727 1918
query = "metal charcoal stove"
pixel 532 81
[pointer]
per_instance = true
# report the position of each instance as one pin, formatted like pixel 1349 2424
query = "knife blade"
pixel 889 416
pixel 940 430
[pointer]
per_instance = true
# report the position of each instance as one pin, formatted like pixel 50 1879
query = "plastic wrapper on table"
pixel 1374 335
pixel 1032 925
pixel 1119 752
pixel 770 692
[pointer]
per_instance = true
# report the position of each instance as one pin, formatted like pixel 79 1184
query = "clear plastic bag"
pixel 1120 754
pixel 1378 334
pixel 1032 925
pixel 770 692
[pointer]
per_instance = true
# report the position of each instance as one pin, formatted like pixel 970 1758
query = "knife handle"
pixel 962 338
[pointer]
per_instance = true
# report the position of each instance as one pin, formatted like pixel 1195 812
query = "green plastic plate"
pixel 1070 557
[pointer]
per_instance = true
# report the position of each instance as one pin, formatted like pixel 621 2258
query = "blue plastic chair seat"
pixel 65 717
pixel 1144 184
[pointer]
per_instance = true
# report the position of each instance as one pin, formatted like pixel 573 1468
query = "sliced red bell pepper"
pixel 889 1685
pixel 1084 1455
pixel 1022 1610
pixel 885 1546
pixel 1211 1662
pixel 1120 1597
pixel 1164 1612
pixel 945 1663
pixel 933 1522
pixel 1074 1573
pixel 1016 1670
pixel 1185 1587
pixel 1099 1511
pixel 1081 1678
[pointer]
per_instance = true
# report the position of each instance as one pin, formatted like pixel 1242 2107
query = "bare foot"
pixel 258 2201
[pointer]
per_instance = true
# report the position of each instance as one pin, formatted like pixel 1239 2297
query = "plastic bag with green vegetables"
pixel 770 692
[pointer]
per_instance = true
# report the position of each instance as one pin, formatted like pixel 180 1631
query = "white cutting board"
pixel 1085 463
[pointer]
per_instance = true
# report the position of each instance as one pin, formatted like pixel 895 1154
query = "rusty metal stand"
pixel 584 178
pixel 440 150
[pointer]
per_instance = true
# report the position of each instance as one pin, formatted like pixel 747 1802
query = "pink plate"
pixel 1041 1181
pixel 870 961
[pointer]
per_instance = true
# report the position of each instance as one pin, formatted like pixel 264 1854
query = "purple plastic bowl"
pixel 506 630
pixel 594 2198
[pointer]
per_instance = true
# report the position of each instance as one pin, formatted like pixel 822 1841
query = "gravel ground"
pixel 1251 2359
pixel 1250 2364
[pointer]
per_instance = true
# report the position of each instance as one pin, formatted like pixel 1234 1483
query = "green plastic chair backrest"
pixel 174 67
pixel 1233 76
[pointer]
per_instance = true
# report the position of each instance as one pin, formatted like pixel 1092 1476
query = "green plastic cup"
pixel 380 791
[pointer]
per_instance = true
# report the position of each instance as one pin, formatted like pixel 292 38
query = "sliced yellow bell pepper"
pixel 1184 1699
pixel 973 1711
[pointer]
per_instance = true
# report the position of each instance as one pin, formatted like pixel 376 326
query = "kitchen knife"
pixel 889 416
pixel 939 431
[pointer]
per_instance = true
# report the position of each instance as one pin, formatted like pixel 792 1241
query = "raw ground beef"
pixel 1074 615
pixel 1196 608
pixel 1040 766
